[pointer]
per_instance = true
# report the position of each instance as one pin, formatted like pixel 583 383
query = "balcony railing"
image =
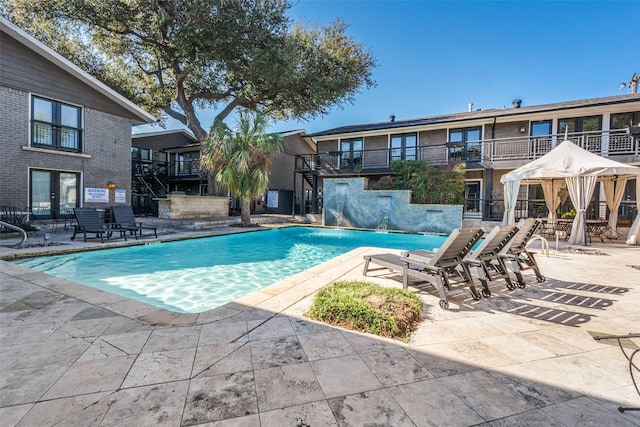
pixel 604 143
pixel 528 148
pixel 63 138
pixel 493 209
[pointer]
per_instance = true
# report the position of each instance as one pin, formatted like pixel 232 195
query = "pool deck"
pixel 75 356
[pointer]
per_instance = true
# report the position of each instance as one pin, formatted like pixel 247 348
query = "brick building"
pixel 65 137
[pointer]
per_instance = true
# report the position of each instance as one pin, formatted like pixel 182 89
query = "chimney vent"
pixel 392 118
pixel 517 103
pixel 470 106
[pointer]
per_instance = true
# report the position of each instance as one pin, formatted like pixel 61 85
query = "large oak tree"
pixel 179 57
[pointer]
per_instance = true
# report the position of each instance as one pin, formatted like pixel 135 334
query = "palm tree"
pixel 241 160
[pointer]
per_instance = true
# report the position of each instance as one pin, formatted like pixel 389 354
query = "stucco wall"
pixel 348 204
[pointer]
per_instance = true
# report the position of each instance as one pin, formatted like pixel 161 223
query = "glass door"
pixel 351 153
pixel 53 192
pixel 41 193
pixel 541 139
pixel 473 198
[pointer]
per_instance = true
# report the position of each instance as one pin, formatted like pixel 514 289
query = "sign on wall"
pixel 96 195
pixel 272 199
pixel 121 196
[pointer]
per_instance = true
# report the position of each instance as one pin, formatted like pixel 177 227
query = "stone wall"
pixel 184 207
pixel 348 204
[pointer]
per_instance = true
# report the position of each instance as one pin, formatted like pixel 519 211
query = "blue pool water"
pixel 191 276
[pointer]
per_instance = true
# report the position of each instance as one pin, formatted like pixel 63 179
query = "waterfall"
pixel 384 204
pixel 341 188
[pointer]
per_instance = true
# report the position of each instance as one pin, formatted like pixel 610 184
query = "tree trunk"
pixel 245 212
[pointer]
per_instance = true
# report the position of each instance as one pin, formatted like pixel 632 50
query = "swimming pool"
pixel 195 275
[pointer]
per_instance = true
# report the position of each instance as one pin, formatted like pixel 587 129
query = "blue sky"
pixel 435 57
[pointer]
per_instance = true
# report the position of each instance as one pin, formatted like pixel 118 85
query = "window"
pixel 624 120
pixel 580 124
pixel 351 152
pixel 542 128
pixel 465 144
pixel 55 125
pixel 404 147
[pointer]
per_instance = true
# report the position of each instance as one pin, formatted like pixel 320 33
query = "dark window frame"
pixel 632 116
pixel 351 157
pixel 54 132
pixel 578 124
pixel 405 152
pixel 465 149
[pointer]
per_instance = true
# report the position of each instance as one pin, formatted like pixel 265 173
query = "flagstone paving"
pixel 75 356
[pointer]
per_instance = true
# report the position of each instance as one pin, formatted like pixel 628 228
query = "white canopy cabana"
pixel 579 169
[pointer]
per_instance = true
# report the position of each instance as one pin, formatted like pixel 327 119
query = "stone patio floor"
pixel 71 355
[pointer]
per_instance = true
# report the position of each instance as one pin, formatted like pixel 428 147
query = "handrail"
pixel 524 147
pixel 544 243
pixel 16 228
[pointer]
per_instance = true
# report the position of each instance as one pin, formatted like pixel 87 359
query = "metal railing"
pixel 493 209
pixel 604 143
pixel 47 135
pixel 528 148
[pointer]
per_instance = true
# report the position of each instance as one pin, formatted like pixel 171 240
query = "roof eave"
pixel 32 43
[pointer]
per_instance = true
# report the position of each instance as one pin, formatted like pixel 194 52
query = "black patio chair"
pixel 88 221
pixel 122 218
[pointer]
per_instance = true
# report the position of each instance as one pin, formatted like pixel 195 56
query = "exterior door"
pixel 473 198
pixel 541 139
pixel 404 147
pixel 351 153
pixel 53 191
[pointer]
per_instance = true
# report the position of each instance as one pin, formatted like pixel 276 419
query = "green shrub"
pixel 428 183
pixel 368 307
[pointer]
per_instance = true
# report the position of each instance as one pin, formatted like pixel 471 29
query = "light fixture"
pixel 111 185
pixel 523 129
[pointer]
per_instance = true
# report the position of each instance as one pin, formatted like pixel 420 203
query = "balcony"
pixel 526 148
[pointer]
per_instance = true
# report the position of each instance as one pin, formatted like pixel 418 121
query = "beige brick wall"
pixel 182 207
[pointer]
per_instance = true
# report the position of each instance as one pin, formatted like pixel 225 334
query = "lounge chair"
pixel 440 269
pixel 88 221
pixel 122 218
pixel 518 258
pixel 486 258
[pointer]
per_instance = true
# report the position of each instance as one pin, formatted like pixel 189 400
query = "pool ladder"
pixel 18 229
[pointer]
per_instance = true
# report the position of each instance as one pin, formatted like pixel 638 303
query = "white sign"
pixel 121 196
pixel 96 195
pixel 272 199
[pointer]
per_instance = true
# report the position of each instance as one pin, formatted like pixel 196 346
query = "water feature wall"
pixel 346 203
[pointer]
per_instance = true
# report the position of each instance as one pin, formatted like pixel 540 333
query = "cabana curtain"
pixel 633 238
pixel 580 191
pixel 510 200
pixel 613 192
pixel 569 162
pixel 551 197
